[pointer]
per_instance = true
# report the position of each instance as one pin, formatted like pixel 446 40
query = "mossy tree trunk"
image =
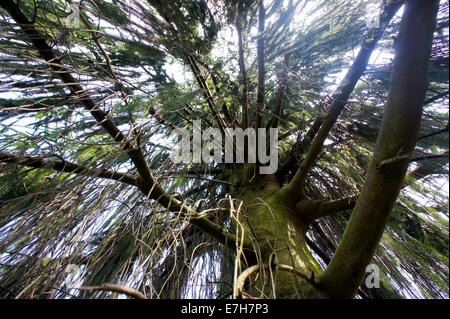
pixel 270 220
pixel 396 141
pixel 275 220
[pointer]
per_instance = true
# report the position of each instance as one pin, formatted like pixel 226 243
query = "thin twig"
pixel 116 288
pixel 239 287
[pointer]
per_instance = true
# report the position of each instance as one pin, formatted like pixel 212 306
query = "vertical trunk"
pixel 396 141
pixel 270 222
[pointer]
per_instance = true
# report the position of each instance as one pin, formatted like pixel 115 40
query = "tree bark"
pixel 396 141
pixel 269 220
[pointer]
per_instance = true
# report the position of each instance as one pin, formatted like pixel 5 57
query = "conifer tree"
pixel 93 204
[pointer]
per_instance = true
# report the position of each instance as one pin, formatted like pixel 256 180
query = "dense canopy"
pixel 92 203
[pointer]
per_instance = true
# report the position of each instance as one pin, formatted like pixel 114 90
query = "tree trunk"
pixel 395 143
pixel 276 224
pixel 270 220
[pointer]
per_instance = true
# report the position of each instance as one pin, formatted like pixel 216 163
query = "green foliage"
pixel 122 237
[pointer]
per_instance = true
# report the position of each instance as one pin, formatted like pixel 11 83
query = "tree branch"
pixel 119 85
pixel 206 92
pixel 242 70
pixel 146 182
pixel 154 190
pixel 239 285
pixel 445 129
pixel 435 98
pixel 46 52
pixel 261 68
pixel 281 91
pixel 67 167
pixel 398 132
pixel 340 99
pixel 116 288
pixel 200 177
pixel 302 145
pixel 298 150
pixel 309 210
pixel 429 157
pixel 425 170
pixel 317 250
